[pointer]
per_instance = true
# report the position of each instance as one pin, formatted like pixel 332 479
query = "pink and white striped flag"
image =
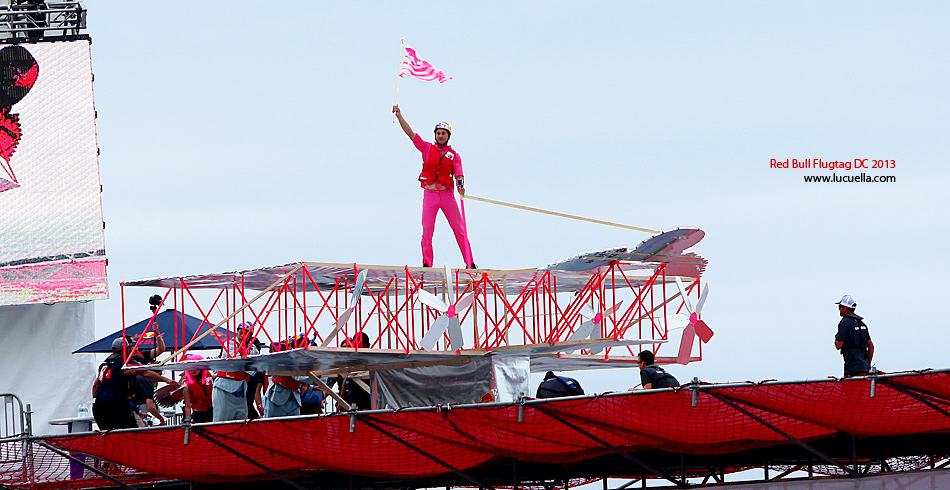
pixel 414 66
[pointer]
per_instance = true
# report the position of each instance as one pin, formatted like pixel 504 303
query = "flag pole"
pixel 402 53
pixel 468 244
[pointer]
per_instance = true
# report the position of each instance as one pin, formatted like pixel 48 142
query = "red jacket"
pixel 200 397
pixel 438 167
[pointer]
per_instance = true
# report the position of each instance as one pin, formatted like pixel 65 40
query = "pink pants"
pixel 432 202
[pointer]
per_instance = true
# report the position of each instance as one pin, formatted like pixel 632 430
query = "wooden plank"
pixel 326 389
pixel 362 384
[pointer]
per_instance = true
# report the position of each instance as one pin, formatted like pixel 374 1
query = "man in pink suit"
pixel 441 174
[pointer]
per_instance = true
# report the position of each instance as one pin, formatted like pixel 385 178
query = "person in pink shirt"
pixel 441 174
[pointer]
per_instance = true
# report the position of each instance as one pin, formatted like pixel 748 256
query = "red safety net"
pixel 468 437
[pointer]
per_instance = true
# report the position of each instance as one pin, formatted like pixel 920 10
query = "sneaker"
pixel 425 264
pixel 472 266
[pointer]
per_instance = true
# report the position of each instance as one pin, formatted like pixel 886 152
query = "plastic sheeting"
pixel 36 342
pixel 327 277
pixel 510 377
pixel 432 385
pixel 305 359
pixel 571 274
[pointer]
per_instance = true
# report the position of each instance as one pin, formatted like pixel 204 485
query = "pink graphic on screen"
pixel 53 242
pixel 18 71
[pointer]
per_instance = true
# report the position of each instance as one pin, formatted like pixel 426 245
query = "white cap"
pixel 848 301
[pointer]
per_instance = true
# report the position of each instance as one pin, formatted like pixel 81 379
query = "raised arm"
pixel 402 122
pixel 159 341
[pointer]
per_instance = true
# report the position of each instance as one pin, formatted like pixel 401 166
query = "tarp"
pixel 177 329
pixel 572 274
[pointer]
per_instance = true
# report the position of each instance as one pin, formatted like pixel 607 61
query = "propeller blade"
pixel 465 301
pixel 679 285
pixel 705 333
pixel 449 285
pixel 455 333
pixel 599 321
pixel 587 311
pixel 435 332
pixel 358 288
pixel 340 321
pixel 432 301
pixel 610 310
pixel 686 344
pixel 167 396
pixel 674 322
pixel 345 316
pixel 583 331
pixel 702 300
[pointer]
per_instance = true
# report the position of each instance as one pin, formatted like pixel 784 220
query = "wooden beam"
pixel 326 389
pixel 362 384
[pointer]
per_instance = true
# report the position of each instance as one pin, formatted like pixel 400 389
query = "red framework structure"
pixel 300 303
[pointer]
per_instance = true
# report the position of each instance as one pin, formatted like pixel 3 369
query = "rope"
pixel 555 213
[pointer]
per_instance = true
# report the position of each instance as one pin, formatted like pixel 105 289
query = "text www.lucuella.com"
pixel 841 169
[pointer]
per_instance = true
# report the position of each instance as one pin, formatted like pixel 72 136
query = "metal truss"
pixel 30 20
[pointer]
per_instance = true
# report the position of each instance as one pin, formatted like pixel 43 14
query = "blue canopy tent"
pixel 176 327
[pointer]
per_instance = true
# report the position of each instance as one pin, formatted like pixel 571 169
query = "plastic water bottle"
pixel 83 410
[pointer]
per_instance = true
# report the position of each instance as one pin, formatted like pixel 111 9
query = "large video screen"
pixel 52 244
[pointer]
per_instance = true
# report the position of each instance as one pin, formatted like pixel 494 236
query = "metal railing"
pixel 34 21
pixel 16 427
pixel 15 419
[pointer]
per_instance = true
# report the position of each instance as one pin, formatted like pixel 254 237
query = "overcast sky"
pixel 236 136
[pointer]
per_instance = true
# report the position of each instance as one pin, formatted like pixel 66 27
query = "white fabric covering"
pixel 36 362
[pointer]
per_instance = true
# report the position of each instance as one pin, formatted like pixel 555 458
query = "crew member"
pixel 441 173
pixel 351 390
pixel 197 393
pixel 853 339
pixel 229 395
pixel 112 389
pixel 652 375
pixel 283 396
pixel 555 386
